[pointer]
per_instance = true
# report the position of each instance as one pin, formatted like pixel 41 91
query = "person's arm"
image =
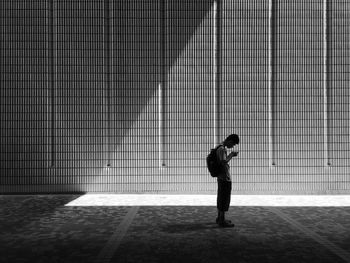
pixel 223 157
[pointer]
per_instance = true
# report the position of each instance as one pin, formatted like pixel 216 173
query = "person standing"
pixel 224 179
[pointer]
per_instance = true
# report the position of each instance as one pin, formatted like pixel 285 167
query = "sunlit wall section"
pixel 244 98
pixel 285 92
pixel 299 115
pixel 339 92
pixel 189 117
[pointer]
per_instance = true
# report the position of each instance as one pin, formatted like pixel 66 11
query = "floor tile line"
pixel 326 243
pixel 115 240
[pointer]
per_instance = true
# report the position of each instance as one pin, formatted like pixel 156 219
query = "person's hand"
pixel 232 154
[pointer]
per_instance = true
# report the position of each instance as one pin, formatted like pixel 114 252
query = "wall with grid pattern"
pixel 130 96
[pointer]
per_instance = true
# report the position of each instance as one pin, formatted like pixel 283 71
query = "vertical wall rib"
pixel 107 82
pixel 51 84
pixel 271 48
pixel 49 88
pixel 216 69
pixel 325 82
pixel 162 84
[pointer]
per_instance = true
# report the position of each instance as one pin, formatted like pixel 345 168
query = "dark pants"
pixel 224 195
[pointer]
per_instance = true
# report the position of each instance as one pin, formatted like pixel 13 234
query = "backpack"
pixel 213 164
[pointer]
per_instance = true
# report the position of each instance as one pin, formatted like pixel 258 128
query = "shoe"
pixel 226 223
pixel 217 221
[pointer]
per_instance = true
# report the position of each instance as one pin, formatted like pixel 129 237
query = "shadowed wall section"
pixel 23 94
pixel 118 96
pixel 78 92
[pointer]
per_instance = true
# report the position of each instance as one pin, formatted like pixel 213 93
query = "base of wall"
pixel 47 189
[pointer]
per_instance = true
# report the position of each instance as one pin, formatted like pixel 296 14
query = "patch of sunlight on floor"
pixel 209 200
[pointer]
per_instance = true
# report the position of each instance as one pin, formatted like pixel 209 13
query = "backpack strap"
pixel 217 147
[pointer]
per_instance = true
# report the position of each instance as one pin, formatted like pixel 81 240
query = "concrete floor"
pixel 42 228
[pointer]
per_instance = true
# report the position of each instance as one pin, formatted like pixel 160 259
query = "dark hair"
pixel 233 137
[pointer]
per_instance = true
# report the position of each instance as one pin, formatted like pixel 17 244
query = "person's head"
pixel 231 140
